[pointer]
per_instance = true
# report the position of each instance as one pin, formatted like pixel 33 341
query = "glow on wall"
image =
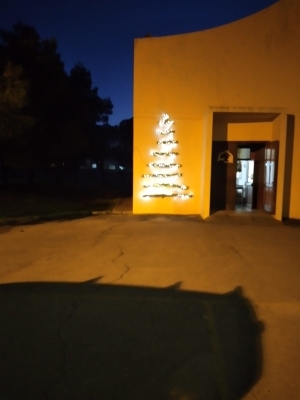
pixel 164 177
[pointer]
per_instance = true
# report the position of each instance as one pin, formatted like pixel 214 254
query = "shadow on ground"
pixel 108 342
pixel 21 205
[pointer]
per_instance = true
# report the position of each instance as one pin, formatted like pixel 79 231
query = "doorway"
pixel 248 181
pixel 244 185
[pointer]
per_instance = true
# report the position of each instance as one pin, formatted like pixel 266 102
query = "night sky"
pixel 100 33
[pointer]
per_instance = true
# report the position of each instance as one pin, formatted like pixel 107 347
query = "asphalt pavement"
pixel 120 306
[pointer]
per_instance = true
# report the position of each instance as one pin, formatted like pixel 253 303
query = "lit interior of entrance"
pixel 244 184
pixel 255 178
pixel 249 180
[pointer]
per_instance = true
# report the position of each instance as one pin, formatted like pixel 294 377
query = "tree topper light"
pixel 162 185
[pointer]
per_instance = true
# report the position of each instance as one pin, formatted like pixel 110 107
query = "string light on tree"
pixel 164 153
pixel 168 185
pixel 168 142
pixel 161 175
pixel 163 165
pixel 177 195
pixel 162 185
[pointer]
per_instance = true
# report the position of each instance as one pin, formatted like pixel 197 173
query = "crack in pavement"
pixel 118 256
pixel 105 232
pixel 240 255
pixel 235 251
pixel 63 343
pixel 100 236
pixel 123 274
pixel 126 266
pixel 114 225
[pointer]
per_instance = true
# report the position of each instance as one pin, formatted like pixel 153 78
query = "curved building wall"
pixel 248 65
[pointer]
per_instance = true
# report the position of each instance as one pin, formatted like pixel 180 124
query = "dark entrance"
pixel 243 179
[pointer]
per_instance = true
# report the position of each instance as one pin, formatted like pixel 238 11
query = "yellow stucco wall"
pixel 249 64
pixel 253 131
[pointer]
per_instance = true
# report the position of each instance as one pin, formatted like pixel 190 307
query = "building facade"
pixel 233 93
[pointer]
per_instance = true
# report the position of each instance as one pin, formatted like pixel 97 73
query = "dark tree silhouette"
pixel 122 150
pixel 13 121
pixel 45 72
pixel 65 108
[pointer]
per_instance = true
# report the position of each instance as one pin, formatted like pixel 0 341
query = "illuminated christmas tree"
pixel 164 178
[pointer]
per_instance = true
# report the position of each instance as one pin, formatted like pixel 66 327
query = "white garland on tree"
pixel 160 184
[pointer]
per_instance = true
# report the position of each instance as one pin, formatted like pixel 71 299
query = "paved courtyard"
pixel 150 307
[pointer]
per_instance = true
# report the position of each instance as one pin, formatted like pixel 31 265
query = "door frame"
pixel 280 133
pixel 260 155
